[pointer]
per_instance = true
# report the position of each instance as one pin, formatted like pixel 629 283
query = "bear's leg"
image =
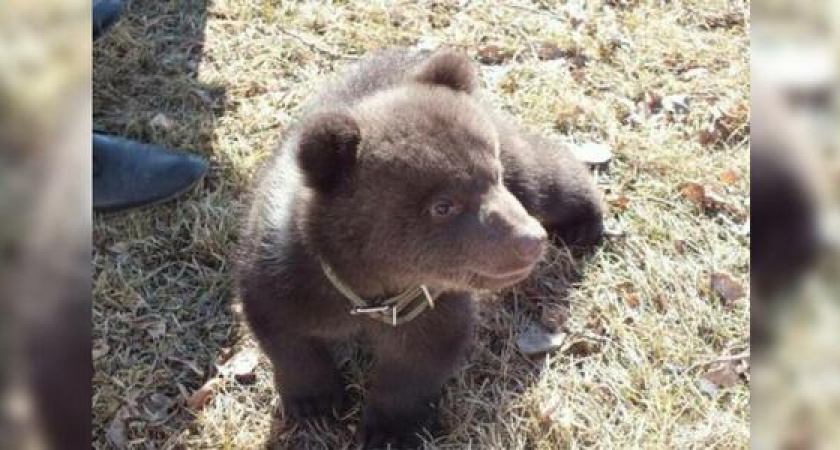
pixel 306 377
pixel 413 361
pixel 569 204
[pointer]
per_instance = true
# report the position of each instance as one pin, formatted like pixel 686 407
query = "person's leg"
pixel 105 14
pixel 128 174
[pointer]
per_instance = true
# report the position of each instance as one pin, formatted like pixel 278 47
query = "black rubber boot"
pixel 105 14
pixel 128 174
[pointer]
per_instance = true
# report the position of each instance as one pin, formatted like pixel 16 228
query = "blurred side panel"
pixel 45 176
pixel 795 144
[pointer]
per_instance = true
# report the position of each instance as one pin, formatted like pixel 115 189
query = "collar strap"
pixel 397 310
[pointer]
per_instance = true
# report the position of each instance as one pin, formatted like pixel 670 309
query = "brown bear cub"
pixel 394 199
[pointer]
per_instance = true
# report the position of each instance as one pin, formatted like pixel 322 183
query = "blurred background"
pixel 45 120
pixel 45 206
pixel 794 244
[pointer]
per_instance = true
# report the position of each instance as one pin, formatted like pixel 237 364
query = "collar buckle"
pixel 369 310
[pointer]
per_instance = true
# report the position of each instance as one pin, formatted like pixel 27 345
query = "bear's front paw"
pixel 583 232
pixel 315 405
pixel 382 430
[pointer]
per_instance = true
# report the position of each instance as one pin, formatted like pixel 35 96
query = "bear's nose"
pixel 529 246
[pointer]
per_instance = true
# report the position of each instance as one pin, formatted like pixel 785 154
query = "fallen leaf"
pixel 492 54
pixel 680 246
pixel 628 292
pixel 225 353
pixel 632 300
pixel 727 288
pixel 118 248
pixel 592 153
pixel 156 329
pixel 661 302
pixel 568 116
pixel 118 430
pixel 534 340
pixel 241 366
pixel 729 177
pixel 722 375
pixel 694 192
pixel 709 197
pixel 583 348
pixel 707 387
pixel 619 202
pixel 653 103
pixel 161 121
pixel 728 20
pixel 201 397
pixel 157 407
pixel 546 414
pixel 549 51
pixel 709 136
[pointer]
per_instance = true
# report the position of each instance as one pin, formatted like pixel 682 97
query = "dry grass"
pixel 641 322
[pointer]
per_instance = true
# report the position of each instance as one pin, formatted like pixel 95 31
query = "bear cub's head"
pixel 406 186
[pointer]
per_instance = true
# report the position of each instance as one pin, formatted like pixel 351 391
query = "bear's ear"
pixel 451 69
pixel 327 148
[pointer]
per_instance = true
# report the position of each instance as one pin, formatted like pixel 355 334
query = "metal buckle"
pixel 428 296
pixel 371 310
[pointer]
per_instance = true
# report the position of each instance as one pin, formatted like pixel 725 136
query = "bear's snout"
pixel 516 239
pixel 530 245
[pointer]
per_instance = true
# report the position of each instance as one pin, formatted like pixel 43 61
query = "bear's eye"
pixel 443 208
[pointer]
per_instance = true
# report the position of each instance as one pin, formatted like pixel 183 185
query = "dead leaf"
pixel 680 246
pixel 592 153
pixel 549 51
pixel 534 340
pixel 100 349
pixel 709 136
pixel 158 406
pixel 156 329
pixel 492 54
pixel 728 20
pixel 241 366
pixel 694 192
pixel 707 387
pixel 569 116
pixel 118 248
pixel 708 197
pixel 729 177
pixel 628 292
pixel 200 398
pixel 583 348
pixel 117 432
pixel 727 288
pixel 653 103
pixel 661 303
pixel 546 414
pixel 619 202
pixel 632 300
pixel 722 375
pixel 162 122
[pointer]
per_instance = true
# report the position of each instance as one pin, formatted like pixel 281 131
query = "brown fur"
pixel 359 184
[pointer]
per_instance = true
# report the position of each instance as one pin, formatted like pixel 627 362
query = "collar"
pixel 397 310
